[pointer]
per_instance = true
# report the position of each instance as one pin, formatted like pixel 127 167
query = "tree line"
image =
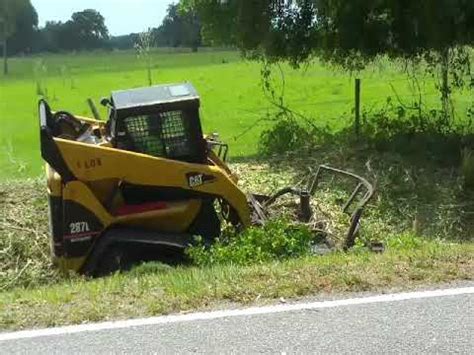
pixel 349 34
pixel 86 30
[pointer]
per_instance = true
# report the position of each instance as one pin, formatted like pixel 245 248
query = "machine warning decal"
pixel 198 179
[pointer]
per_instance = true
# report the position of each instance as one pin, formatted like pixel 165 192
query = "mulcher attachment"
pixel 353 207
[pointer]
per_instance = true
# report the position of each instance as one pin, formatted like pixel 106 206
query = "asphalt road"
pixel 443 324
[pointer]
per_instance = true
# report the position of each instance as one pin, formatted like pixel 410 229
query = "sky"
pixel 121 16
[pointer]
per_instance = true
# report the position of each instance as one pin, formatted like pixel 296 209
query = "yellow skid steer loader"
pixel 142 185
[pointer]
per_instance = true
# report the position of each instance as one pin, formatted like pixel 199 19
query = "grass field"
pixel 34 294
pixel 422 211
pixel 232 99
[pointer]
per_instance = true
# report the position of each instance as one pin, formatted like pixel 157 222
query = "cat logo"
pixel 198 179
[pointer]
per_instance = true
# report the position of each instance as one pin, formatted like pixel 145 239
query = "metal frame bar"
pixel 358 211
pixel 222 151
pixel 263 202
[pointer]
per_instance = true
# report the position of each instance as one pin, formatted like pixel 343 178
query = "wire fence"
pixel 381 100
pixel 344 106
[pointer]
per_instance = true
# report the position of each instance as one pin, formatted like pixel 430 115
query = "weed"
pixel 407 242
pixel 144 47
pixel 15 163
pixel 412 158
pixel 285 136
pixel 149 268
pixel 277 240
pixel 41 72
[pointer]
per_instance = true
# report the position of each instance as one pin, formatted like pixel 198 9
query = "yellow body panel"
pixel 78 192
pixel 54 182
pixel 105 191
pixel 177 217
pixel 91 163
pixel 214 159
pixel 91 121
pixel 74 264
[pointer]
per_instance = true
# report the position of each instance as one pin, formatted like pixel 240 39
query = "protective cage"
pixel 165 134
pixel 161 121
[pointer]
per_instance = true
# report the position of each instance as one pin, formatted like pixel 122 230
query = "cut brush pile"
pixel 261 265
pixel 24 234
pixel 25 250
pixel 24 241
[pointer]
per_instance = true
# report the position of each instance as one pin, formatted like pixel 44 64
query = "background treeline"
pixel 86 30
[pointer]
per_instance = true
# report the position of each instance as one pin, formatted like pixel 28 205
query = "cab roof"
pixel 158 95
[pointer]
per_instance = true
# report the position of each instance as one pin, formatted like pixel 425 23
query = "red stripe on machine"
pixel 146 207
pixel 80 235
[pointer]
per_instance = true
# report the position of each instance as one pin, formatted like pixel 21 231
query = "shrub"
pixel 286 135
pixel 410 132
pixel 422 166
pixel 407 241
pixel 277 240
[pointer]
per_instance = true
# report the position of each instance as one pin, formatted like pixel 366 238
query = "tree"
pixel 170 31
pixel 218 19
pixel 349 33
pixel 191 30
pixel 180 28
pixel 338 29
pixel 89 29
pixel 26 34
pixel 9 11
pixel 124 42
pixel 50 36
pixel 85 30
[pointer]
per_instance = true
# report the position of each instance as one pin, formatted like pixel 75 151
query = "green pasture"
pixel 233 103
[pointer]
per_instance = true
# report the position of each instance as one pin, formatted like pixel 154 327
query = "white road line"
pixel 396 297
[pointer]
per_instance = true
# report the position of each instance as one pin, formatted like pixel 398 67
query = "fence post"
pixel 357 107
pixel 3 36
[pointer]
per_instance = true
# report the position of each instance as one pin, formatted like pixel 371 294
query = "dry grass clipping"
pixel 24 237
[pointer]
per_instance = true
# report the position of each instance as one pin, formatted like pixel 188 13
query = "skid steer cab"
pixel 139 186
